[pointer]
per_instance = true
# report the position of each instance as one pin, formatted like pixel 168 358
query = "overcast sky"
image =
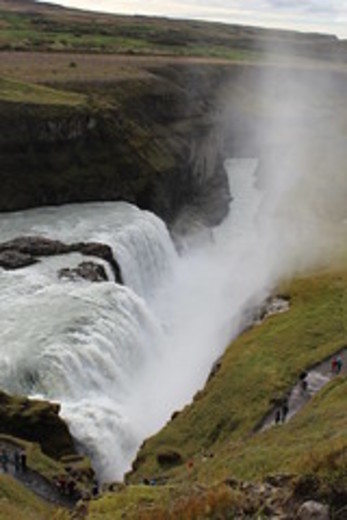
pixel 329 16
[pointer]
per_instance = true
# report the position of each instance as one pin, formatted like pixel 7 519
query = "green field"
pixel 19 92
pixel 28 26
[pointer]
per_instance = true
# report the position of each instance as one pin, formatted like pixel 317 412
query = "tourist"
pixel 285 409
pixel 303 381
pixel 95 489
pixel 339 364
pixel 61 484
pixel 71 487
pixel 23 461
pixel 4 460
pixel 16 461
pixel 278 416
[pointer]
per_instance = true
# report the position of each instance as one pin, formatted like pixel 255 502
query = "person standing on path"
pixel 285 409
pixel 23 461
pixel 278 416
pixel 4 460
pixel 16 461
pixel 339 364
pixel 303 381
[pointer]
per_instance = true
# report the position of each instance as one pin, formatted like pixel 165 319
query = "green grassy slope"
pixel 23 92
pixel 18 503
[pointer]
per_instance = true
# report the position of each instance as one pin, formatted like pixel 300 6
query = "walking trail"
pixel 317 377
pixel 35 482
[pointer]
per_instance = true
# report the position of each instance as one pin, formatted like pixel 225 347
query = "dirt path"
pixel 33 480
pixel 317 377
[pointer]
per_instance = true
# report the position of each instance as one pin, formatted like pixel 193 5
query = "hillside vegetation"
pixel 20 92
pixel 26 25
pixel 20 504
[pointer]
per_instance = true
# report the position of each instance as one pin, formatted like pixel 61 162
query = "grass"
pixel 171 503
pixel 114 506
pixel 20 92
pixel 39 27
pixel 19 503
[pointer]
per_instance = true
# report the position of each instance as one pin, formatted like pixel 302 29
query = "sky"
pixel 327 16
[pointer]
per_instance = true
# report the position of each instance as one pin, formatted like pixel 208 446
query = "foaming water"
pixel 81 343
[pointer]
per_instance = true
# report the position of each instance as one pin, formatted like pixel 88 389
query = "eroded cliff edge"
pixel 144 140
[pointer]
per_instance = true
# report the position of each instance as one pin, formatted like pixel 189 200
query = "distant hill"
pixel 26 24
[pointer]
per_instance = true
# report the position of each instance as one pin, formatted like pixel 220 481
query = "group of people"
pixel 66 485
pixel 18 461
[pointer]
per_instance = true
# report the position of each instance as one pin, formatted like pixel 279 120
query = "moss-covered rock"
pixel 36 421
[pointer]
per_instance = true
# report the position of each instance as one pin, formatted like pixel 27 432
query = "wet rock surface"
pixel 24 251
pixel 85 270
pixel 312 510
pixel 13 259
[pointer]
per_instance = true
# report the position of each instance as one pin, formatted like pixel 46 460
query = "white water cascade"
pixel 121 359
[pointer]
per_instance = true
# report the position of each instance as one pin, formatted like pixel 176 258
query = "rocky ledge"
pixel 36 421
pixel 24 251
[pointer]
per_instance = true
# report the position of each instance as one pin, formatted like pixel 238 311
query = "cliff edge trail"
pixel 315 379
pixel 33 480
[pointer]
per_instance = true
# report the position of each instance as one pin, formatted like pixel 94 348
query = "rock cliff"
pixel 142 141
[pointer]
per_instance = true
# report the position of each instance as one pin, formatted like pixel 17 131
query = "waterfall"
pixel 80 343
pixel 121 359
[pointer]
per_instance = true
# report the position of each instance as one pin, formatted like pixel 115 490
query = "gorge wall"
pixel 151 141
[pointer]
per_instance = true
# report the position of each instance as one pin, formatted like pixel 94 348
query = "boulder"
pixel 169 458
pixel 12 259
pixel 100 251
pixel 24 251
pixel 35 246
pixel 85 270
pixel 312 510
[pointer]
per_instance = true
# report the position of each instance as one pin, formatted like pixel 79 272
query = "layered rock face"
pixel 147 144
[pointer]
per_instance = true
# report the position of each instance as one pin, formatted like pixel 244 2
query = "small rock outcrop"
pixel 24 251
pixel 312 510
pixel 13 259
pixel 85 270
pixel 169 458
